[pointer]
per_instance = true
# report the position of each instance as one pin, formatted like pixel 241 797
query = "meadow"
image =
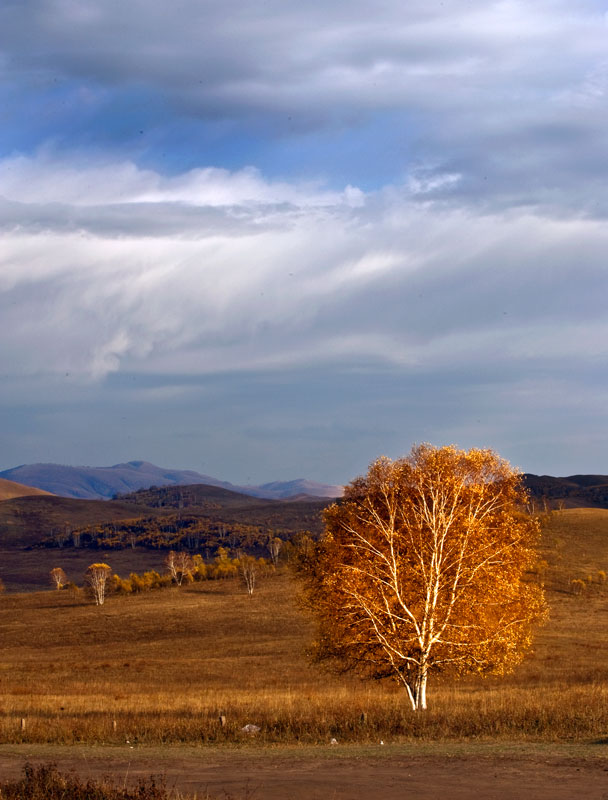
pixel 198 663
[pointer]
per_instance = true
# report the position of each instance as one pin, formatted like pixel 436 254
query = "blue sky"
pixel 275 240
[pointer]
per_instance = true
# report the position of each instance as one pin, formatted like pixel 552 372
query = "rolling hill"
pixel 27 521
pixel 11 489
pixel 575 491
pixel 30 520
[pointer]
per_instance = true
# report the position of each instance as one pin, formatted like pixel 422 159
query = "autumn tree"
pixel 275 543
pixel 180 565
pixel 58 578
pixel 420 570
pixel 249 572
pixel 96 578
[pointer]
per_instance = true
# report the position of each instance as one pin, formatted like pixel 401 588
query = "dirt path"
pixel 422 772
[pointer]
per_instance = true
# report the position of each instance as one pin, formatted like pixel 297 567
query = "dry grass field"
pixel 164 666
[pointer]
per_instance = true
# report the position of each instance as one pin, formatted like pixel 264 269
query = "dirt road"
pixel 536 772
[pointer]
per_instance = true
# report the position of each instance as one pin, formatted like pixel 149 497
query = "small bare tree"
pixel 249 572
pixel 274 548
pixel 180 566
pixel 58 578
pixel 96 578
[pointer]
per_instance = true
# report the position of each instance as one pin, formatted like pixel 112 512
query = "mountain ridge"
pixel 104 483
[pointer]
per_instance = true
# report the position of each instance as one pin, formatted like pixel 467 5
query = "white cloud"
pixel 44 179
pixel 320 279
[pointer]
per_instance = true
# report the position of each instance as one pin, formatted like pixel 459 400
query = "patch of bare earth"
pixel 425 773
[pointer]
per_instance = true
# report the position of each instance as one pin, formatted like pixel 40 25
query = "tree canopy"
pixel 420 569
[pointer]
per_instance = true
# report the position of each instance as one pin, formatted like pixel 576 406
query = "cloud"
pixel 268 276
pixel 45 180
pixel 507 95
pixel 236 57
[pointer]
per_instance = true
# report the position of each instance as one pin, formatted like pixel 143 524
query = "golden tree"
pixel 96 578
pixel 275 543
pixel 58 577
pixel 180 565
pixel 420 569
pixel 249 572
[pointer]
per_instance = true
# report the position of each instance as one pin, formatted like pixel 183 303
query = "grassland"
pixel 163 667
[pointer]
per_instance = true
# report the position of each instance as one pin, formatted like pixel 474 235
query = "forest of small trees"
pixel 175 531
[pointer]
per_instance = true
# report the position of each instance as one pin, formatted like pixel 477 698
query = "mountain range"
pixel 103 483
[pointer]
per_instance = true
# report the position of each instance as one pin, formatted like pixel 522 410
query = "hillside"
pixel 197 517
pixel 11 489
pixel 200 495
pixel 303 513
pixel 575 491
pixel 27 521
pixel 575 546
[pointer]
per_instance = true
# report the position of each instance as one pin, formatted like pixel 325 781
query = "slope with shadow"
pixel 29 521
pixel 574 491
pixel 228 506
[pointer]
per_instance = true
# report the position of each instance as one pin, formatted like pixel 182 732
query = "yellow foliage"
pixel 420 569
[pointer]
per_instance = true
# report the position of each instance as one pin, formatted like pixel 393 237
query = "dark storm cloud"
pixel 510 95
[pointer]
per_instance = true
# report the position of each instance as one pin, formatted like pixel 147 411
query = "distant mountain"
pixel 102 483
pixel 9 490
pixel 281 490
pixel 574 491
pixel 97 483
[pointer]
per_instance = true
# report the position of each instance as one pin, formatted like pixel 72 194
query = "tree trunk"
pixel 416 691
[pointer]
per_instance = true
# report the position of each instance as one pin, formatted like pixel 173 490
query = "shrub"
pixel 47 783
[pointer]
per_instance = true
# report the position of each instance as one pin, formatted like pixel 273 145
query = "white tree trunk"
pixel 416 690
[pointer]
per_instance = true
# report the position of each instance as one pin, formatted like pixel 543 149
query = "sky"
pixel 280 239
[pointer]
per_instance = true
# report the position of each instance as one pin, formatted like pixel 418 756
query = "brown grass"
pixel 46 782
pixel 575 546
pixel 164 667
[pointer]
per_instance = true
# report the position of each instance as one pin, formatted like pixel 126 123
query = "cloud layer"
pixel 213 270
